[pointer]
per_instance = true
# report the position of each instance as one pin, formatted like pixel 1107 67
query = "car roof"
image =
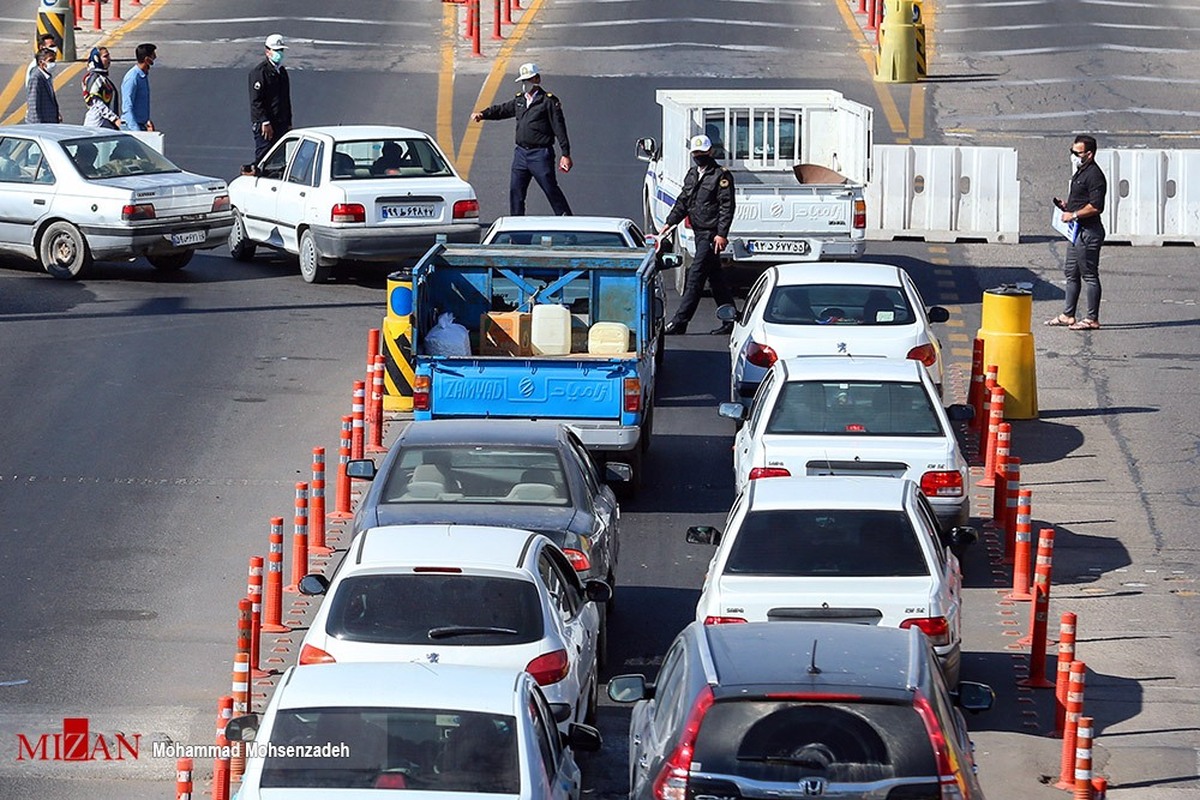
pixel 401 685
pixel 778 655
pixel 468 546
pixel 850 368
pixel 62 132
pixel 564 223
pixel 344 133
pixel 829 492
pixel 807 274
pixel 538 433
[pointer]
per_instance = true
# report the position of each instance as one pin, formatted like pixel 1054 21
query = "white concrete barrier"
pixel 1153 196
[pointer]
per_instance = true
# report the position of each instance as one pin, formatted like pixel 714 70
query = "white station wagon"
pixel 353 193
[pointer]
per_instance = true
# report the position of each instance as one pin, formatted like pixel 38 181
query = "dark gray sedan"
pixel 512 473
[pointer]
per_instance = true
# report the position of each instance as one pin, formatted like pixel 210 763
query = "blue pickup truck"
pixel 606 394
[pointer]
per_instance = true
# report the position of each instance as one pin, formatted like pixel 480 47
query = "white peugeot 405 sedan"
pixel 354 193
pixel 70 195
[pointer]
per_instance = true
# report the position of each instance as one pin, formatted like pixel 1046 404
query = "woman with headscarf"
pixel 99 92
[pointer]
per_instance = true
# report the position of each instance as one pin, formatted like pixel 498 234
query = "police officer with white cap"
pixel 270 97
pixel 540 123
pixel 707 201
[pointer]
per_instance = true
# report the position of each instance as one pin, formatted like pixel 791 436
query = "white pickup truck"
pixel 800 159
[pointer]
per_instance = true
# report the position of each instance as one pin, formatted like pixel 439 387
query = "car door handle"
pixel 274 188
pixel 637 740
pixel 39 202
pixel 302 194
pixel 644 761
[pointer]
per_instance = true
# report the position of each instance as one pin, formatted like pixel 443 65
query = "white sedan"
pixel 817 310
pixel 354 193
pixel 70 195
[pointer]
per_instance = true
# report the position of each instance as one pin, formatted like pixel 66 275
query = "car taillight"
pixel 220 203
pixel 420 389
pixel 633 395
pixel 936 628
pixel 314 655
pixel 923 353
pixel 578 559
pixel 769 472
pixel 722 620
pixel 761 355
pixel 390 780
pixel 671 783
pixel 860 214
pixel 466 209
pixel 441 570
pixel 348 212
pixel 941 483
pixel 948 780
pixel 549 668
pixel 139 211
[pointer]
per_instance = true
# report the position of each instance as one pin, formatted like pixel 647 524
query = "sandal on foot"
pixel 1085 325
pixel 1061 321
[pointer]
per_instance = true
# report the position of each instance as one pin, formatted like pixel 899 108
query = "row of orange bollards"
pixel 501 15
pixel 78 11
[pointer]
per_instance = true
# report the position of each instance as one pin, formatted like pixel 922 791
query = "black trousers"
pixel 536 163
pixel 706 266
pixel 261 145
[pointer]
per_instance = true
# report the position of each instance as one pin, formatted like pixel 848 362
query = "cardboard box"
pixel 505 333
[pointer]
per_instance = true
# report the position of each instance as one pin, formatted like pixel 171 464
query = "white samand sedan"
pixel 815 309
pixel 70 195
pixel 354 193
pixel 841 415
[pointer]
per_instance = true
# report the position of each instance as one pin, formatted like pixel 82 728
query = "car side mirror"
pixel 960 412
pixel 242 729
pixel 973 697
pixel 937 314
pixel 583 738
pixel 361 468
pixel 313 584
pixel 727 313
pixel 646 149
pixel 597 591
pixel 560 711
pixel 617 473
pixel 963 536
pixel 733 411
pixel 703 534
pixel 669 261
pixel 629 689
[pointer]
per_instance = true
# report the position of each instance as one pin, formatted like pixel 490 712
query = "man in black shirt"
pixel 270 97
pixel 540 123
pixel 1084 205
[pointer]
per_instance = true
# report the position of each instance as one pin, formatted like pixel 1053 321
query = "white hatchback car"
pixel 462 594
pixel 353 192
pixel 866 551
pixel 366 730
pixel 830 309
pixel 566 231
pixel 840 415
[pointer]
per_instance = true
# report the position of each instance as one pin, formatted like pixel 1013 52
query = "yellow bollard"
pixel 919 31
pixel 398 343
pixel 897 57
pixel 1008 343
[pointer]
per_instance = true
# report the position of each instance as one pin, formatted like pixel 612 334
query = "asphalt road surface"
pixel 154 423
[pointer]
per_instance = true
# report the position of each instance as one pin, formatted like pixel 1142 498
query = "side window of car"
pixel 545 734
pixel 278 159
pixel 590 477
pixel 668 690
pixel 21 162
pixel 303 166
pixel 760 398
pixel 755 295
pixel 558 587
pixel 931 523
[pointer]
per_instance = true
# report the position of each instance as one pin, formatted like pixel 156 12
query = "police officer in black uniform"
pixel 707 200
pixel 270 97
pixel 540 123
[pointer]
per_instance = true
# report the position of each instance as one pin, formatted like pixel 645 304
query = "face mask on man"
pixel 49 66
pixel 526 86
pixel 276 57
pixel 701 159
pixel 1076 161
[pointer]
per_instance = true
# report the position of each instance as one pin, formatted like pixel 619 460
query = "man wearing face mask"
pixel 707 201
pixel 135 90
pixel 42 102
pixel 270 97
pixel 1083 207
pixel 540 123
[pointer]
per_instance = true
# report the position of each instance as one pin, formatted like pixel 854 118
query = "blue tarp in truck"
pixel 608 399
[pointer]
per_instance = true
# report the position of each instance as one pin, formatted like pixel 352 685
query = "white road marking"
pixel 1041 51
pixel 1009 4
pixel 699 20
pixel 20 682
pixel 1080 113
pixel 749 48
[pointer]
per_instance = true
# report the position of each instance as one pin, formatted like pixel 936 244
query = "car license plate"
pixel 794 247
pixel 410 211
pixel 191 237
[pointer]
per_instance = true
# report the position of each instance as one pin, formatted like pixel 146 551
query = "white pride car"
pixel 351 193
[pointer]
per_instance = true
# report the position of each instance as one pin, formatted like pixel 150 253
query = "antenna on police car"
pixel 813 669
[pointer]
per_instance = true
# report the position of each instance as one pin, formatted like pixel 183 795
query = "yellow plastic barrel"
pixel 398 343
pixel 897 58
pixel 1008 343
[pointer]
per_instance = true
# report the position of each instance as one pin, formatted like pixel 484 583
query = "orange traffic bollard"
pixel 1022 547
pixel 254 592
pixel 376 406
pixel 995 417
pixel 241 705
pixel 476 24
pixel 1083 759
pixel 341 503
pixel 469 33
pixel 496 34
pixel 1066 655
pixel 975 387
pixel 1099 788
pixel 372 351
pixel 316 506
pixel 273 596
pixel 1066 772
pixel 96 26
pixel 507 12
pixel 1012 495
pixel 999 495
pixel 1039 609
pixel 220 788
pixel 1042 568
pixel 183 779
pixel 116 10
pixel 356 418
pixel 299 539
pixel 244 629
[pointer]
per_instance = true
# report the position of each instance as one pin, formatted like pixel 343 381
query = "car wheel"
pixel 64 252
pixel 240 246
pixel 171 262
pixel 311 268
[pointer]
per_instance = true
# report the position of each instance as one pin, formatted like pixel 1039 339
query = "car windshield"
pixel 99 157
pixel 444 608
pixel 500 474
pixel 388 158
pixel 393 748
pixel 838 305
pixel 562 238
pixel 854 408
pixel 848 543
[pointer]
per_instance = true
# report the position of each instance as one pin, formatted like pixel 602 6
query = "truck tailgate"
pixel 563 388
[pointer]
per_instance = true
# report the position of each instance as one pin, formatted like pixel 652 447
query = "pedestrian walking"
pixel 707 201
pixel 1081 212
pixel 41 102
pixel 540 123
pixel 135 90
pixel 99 92
pixel 270 97
pixel 45 41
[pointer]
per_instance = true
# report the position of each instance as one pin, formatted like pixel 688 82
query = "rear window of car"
pixel 98 157
pixel 388 158
pixel 854 408
pixel 447 609
pixel 849 543
pixel 391 748
pixel 838 305
pixel 783 742
pixel 562 238
pixel 503 474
